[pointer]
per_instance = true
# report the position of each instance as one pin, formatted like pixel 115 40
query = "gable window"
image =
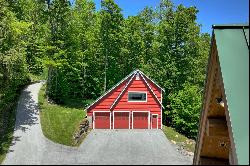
pixel 137 96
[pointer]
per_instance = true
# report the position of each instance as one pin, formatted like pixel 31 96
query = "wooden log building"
pixel 223 136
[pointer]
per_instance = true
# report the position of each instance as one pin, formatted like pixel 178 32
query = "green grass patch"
pixel 38 77
pixel 59 123
pixel 76 103
pixel 179 139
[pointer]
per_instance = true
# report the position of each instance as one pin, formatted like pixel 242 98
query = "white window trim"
pixel 101 111
pixel 139 92
pixel 114 118
pixel 156 121
pixel 141 111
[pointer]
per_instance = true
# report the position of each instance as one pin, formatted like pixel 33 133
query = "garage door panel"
pixel 140 120
pixel 121 120
pixel 102 120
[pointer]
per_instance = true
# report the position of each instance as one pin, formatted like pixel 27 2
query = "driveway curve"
pixel 30 146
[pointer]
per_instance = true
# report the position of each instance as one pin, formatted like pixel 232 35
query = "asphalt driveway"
pixel 29 145
pixel 131 147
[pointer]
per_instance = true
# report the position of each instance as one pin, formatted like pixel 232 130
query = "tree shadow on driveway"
pixel 27 114
pixel 22 106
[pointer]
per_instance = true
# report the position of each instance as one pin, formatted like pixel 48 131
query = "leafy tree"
pixel 110 34
pixel 185 112
pixel 147 31
pixel 13 71
pixel 133 46
pixel 35 13
pixel 88 51
pixel 59 11
pixel 84 49
pixel 13 67
pixel 179 55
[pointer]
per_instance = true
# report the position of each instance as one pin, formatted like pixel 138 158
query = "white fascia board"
pixel 110 90
pixel 152 91
pixel 118 97
pixel 152 81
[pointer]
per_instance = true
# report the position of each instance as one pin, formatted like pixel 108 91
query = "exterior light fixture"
pixel 222 144
pixel 137 77
pixel 220 101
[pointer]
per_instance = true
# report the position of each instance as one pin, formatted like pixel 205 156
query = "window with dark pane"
pixel 137 96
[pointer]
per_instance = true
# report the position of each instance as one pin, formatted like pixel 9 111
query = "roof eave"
pixel 110 90
pixel 229 26
pixel 151 90
pixel 152 81
pixel 112 106
pixel 133 72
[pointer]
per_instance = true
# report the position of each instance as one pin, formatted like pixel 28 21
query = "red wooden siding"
pixel 151 105
pixel 120 120
pixel 105 103
pixel 155 88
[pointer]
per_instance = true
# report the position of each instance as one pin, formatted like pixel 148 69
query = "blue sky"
pixel 210 11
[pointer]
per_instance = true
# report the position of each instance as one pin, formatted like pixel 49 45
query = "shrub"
pixel 185 110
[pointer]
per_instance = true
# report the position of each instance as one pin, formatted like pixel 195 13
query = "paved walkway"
pixel 29 145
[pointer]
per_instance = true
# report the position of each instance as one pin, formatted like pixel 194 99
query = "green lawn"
pixel 179 139
pixel 38 77
pixel 59 123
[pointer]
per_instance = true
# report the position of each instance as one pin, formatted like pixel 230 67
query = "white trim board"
pixel 140 111
pixel 134 72
pixel 153 81
pixel 121 111
pixel 110 90
pixel 101 111
pixel 118 97
pixel 152 91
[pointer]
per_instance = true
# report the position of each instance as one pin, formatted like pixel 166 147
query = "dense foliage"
pixel 185 111
pixel 13 67
pixel 88 51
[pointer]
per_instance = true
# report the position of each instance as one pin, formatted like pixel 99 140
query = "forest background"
pixel 83 52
